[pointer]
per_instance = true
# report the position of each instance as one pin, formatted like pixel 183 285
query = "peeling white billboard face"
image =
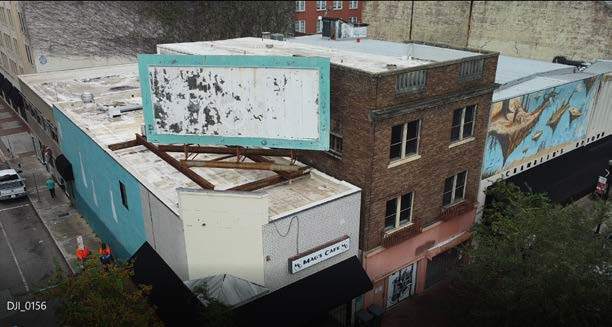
pixel 268 105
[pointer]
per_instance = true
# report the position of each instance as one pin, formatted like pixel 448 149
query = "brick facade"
pixel 310 15
pixel 367 107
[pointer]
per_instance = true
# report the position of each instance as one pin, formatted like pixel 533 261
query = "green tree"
pixel 102 296
pixel 534 263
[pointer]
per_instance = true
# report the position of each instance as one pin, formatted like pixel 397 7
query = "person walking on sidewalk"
pixel 51 186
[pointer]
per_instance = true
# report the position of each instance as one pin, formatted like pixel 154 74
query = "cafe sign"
pixel 318 254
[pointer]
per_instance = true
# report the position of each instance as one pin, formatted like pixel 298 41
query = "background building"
pixel 580 30
pixel 307 13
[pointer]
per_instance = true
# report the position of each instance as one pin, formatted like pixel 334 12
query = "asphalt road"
pixel 28 258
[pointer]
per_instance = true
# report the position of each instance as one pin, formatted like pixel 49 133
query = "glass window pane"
pixel 396 134
pixel 395 151
pixel 455 133
pixel 461 178
pixel 406 201
pixel 448 184
pixel 446 198
pixel 413 130
pixel 405 216
pixel 459 193
pixel 457 117
pixel 390 211
pixel 467 129
pixel 411 146
pixel 469 114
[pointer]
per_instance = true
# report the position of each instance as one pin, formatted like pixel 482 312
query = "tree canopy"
pixel 102 296
pixel 534 263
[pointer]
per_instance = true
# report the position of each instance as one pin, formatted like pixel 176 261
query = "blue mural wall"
pixel 536 124
pixel 97 192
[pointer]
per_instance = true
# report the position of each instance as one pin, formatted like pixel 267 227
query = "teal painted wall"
pixel 96 190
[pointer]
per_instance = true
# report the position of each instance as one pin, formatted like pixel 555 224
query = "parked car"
pixel 12 185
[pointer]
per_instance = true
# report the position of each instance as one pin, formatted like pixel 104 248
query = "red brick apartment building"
pixel 307 13
pixel 413 140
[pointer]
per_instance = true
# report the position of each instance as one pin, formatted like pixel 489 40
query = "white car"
pixel 12 185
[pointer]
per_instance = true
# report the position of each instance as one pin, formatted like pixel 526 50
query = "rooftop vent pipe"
pixel 87 97
pixel 565 61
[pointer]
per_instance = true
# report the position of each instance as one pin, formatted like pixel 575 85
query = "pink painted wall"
pixel 379 264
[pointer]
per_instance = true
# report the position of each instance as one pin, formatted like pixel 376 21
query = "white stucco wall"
pixel 305 230
pixel 164 231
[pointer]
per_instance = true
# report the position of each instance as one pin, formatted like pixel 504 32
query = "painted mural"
pixel 525 128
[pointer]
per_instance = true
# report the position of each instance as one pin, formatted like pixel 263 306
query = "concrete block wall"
pixel 531 29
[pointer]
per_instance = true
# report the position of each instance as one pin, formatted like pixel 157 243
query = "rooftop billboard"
pixel 251 101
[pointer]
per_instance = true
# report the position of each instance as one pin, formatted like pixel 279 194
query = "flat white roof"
pixel 118 85
pixel 511 69
pixel 371 56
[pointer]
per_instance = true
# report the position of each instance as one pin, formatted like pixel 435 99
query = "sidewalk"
pixel 425 309
pixel 62 221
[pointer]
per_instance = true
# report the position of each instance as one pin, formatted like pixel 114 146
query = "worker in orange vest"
pixel 105 253
pixel 82 253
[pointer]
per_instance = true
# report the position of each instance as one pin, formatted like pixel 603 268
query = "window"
pixel 463 123
pixel 15 46
pixel 353 4
pixel 337 5
pixel 300 6
pixel 22 22
pixel 410 81
pixel 20 70
pixel 319 26
pixel 300 26
pixel 10 17
pixel 321 5
pixel 335 137
pixel 29 54
pixel 124 199
pixel 398 211
pixel 4 60
pixel 454 189
pixel 404 140
pixel 13 66
pixel 3 16
pixel 7 40
pixel 353 20
pixel 471 70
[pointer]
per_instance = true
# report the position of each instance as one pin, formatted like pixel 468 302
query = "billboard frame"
pixel 322 65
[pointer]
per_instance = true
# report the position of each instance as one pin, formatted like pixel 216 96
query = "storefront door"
pixel 401 284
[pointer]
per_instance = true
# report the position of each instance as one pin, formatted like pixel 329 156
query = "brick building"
pixel 408 126
pixel 307 14
pixel 412 138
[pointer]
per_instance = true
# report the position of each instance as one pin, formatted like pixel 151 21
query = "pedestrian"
pixel 104 251
pixel 51 186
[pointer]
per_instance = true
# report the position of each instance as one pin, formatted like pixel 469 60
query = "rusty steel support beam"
pixel 123 145
pixel 258 158
pixel 241 165
pixel 222 158
pixel 203 183
pixel 268 181
pixel 226 150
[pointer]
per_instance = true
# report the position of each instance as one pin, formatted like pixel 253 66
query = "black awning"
pixel 308 298
pixel 64 167
pixel 569 176
pixel 175 304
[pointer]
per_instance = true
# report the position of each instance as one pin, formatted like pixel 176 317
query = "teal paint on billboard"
pixel 97 194
pixel 252 101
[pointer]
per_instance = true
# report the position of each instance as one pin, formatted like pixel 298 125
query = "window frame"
pixel 301 26
pixel 398 211
pixel 300 6
pixel 334 5
pixel 123 193
pixel 321 5
pixel 353 4
pixel 461 125
pixel 353 19
pixel 334 137
pixel 453 199
pixel 404 141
